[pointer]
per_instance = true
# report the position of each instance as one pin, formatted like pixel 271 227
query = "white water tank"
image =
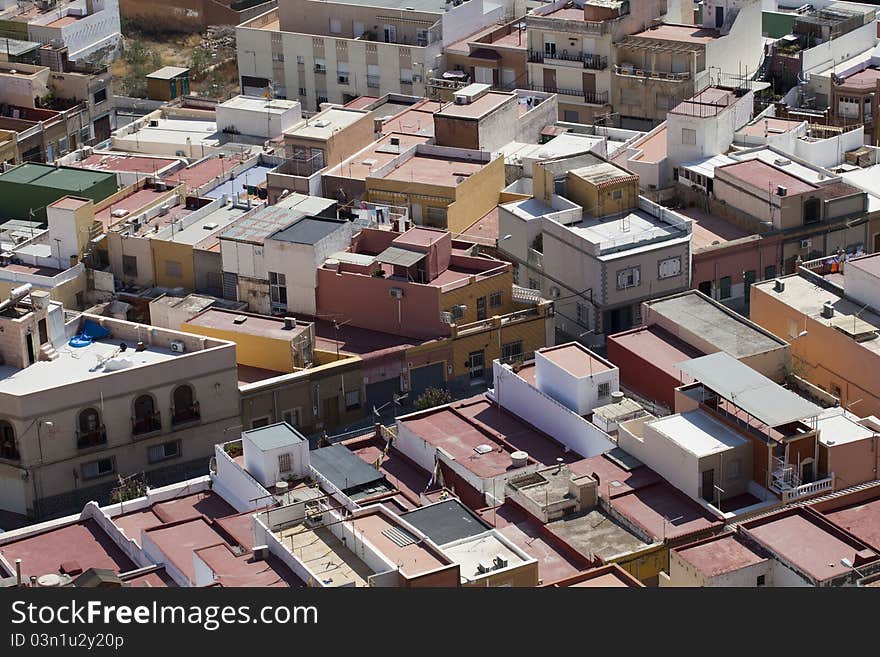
pixel 520 459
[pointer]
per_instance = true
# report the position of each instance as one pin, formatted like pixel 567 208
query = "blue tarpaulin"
pixel 94 331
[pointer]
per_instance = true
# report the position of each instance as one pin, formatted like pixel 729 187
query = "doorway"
pixel 476 366
pixel 549 80
pixel 31 353
pixel 330 412
pixel 719 17
pixel 707 491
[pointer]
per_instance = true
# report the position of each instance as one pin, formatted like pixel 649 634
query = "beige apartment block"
pixel 75 419
pixel 336 50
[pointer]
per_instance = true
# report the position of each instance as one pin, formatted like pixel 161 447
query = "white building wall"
pixel 835 51
pixel 862 286
pixel 741 50
pixel 714 134
pixel 547 414
pixel 676 465
pixel 579 394
pixel 263 464
pixel 256 122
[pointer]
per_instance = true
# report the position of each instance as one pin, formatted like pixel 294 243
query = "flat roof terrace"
pixel 763 176
pixel 808 542
pixel 434 170
pixel 325 555
pixel 413 558
pixel 630 228
pixel 478 108
pixel 127 162
pixel 719 555
pixel 377 155
pixel 684 33
pixel 861 519
pixel 576 359
pixel 595 533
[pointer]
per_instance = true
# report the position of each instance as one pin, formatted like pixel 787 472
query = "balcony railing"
pixel 594 62
pixel 808 490
pixel 146 425
pixel 589 97
pixel 186 415
pixel 93 438
pixel 654 75
pixel 373 81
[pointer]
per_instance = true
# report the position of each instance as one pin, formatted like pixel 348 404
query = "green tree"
pixel 433 397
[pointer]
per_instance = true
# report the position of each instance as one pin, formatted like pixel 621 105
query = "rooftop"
pixel 257 227
pixel 415 120
pixel 127 162
pixel 444 522
pixel 204 171
pixel 246 323
pixel 750 390
pixel 348 472
pixel 69 179
pixel 684 33
pixel 610 576
pixel 434 170
pixel 477 109
pixel 860 518
pixel 865 79
pixel 576 359
pixel 708 229
pixel 808 542
pixel 200 132
pixel 768 126
pixel 763 176
pixel 325 124
pixel 719 555
pixel 806 297
pixel 698 433
pixel 274 436
pixel 470 552
pixel 626 229
pixel 376 155
pixel 308 230
pixel 839 427
pixel 168 72
pixel 710 321
pixel 266 106
pixel 595 534
pixel 204 232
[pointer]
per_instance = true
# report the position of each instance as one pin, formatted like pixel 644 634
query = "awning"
pixel 749 390
pixel 394 255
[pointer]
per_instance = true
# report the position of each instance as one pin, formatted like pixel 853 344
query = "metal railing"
pixel 93 438
pixel 590 97
pixel 146 425
pixel 593 62
pixel 654 75
pixel 186 414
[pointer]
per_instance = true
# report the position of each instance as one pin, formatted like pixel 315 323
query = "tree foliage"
pixel 433 397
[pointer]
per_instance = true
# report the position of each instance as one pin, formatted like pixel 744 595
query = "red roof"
pixel 761 175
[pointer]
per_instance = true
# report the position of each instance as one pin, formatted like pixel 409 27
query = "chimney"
pixel 289 323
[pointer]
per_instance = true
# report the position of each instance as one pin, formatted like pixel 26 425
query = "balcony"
pixel 186 416
pixel 146 426
pixel 785 481
pixel 588 97
pixel 93 438
pixel 593 62
pixel 629 71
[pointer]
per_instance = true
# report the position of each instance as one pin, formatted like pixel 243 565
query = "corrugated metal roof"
pixel 396 256
pixel 749 390
pixel 343 468
pixel 308 230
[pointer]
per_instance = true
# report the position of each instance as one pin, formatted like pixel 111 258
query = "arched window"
pixel 185 407
pixel 146 418
pixel 89 430
pixel 8 449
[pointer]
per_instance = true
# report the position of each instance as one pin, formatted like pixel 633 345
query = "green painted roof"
pixel 65 178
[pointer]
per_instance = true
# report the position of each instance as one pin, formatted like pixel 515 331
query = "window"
pixel 582 314
pixel 164 451
pixel 173 269
pixel 278 289
pixel 688 136
pixel 277 57
pixel 335 26
pixel 185 407
pixel 724 285
pixel 129 266
pixel 95 469
pixel 291 416
pixel 512 351
pixel 534 284
pixel 627 278
pixel 406 76
pixel 617 194
pixel 733 468
pixel 570 116
pixel 342 72
pixel 705 287
pixel 8 449
pixel 515 271
pixel 284 463
pixel 146 419
pixel 481 308
pixel 256 423
pixel 89 432
pixel 549 48
pixel 495 300
pixel 760 580
pixel 769 272
pixel 302 91
pixel 604 390
pixel 669 268
pixel 352 399
pixel 99 96
pixel 300 59
pixel 320 65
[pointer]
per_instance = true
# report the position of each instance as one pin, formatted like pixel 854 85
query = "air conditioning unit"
pixel 827 310
pixel 484 566
pixel 446 317
pixel 806 244
pixel 178 346
pixel 165 209
pixel 396 292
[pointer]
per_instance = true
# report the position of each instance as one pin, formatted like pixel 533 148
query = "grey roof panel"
pixel 394 255
pixel 308 230
pixel 274 436
pixel 749 390
pixel 445 522
pixel 344 468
